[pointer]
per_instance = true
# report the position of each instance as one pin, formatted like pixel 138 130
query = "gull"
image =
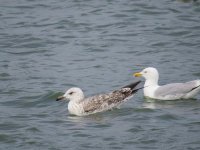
pixel 171 91
pixel 81 106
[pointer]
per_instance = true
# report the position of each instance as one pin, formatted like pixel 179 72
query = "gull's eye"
pixel 70 93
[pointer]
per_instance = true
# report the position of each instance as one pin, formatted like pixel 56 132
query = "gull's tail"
pixel 198 85
pixel 133 86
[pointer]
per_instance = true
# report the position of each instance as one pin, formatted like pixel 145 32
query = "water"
pixel 47 47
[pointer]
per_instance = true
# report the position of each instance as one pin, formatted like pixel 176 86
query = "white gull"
pixel 171 91
pixel 80 106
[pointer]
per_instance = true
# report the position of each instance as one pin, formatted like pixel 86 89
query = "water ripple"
pixel 48 47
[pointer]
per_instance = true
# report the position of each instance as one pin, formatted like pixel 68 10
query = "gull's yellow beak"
pixel 137 74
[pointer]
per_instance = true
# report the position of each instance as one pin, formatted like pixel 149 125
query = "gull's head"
pixel 73 94
pixel 149 73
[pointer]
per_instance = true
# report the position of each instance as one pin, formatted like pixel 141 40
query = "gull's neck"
pixel 77 99
pixel 151 82
pixel 75 106
pixel 150 87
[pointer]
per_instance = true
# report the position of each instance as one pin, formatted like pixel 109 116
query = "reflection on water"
pixel 159 104
pixel 84 119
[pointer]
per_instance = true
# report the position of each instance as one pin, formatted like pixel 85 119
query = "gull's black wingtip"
pixel 133 85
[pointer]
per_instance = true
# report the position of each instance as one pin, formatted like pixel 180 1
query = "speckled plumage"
pixel 106 101
pixel 80 106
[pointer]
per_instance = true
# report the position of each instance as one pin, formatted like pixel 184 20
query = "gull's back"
pixel 103 102
pixel 177 90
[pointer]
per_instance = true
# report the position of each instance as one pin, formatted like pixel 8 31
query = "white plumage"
pixel 171 91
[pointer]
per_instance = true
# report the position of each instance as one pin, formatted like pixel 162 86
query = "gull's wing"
pixel 104 102
pixel 176 89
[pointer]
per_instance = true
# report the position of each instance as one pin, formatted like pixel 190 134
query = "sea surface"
pixel 48 46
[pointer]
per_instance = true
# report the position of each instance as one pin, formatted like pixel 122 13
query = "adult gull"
pixel 171 91
pixel 80 106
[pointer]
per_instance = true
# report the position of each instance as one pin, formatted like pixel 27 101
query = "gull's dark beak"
pixel 60 98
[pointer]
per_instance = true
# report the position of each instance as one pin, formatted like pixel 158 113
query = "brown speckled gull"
pixel 81 106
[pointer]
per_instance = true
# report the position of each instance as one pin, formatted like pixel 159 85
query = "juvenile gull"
pixel 171 91
pixel 80 106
